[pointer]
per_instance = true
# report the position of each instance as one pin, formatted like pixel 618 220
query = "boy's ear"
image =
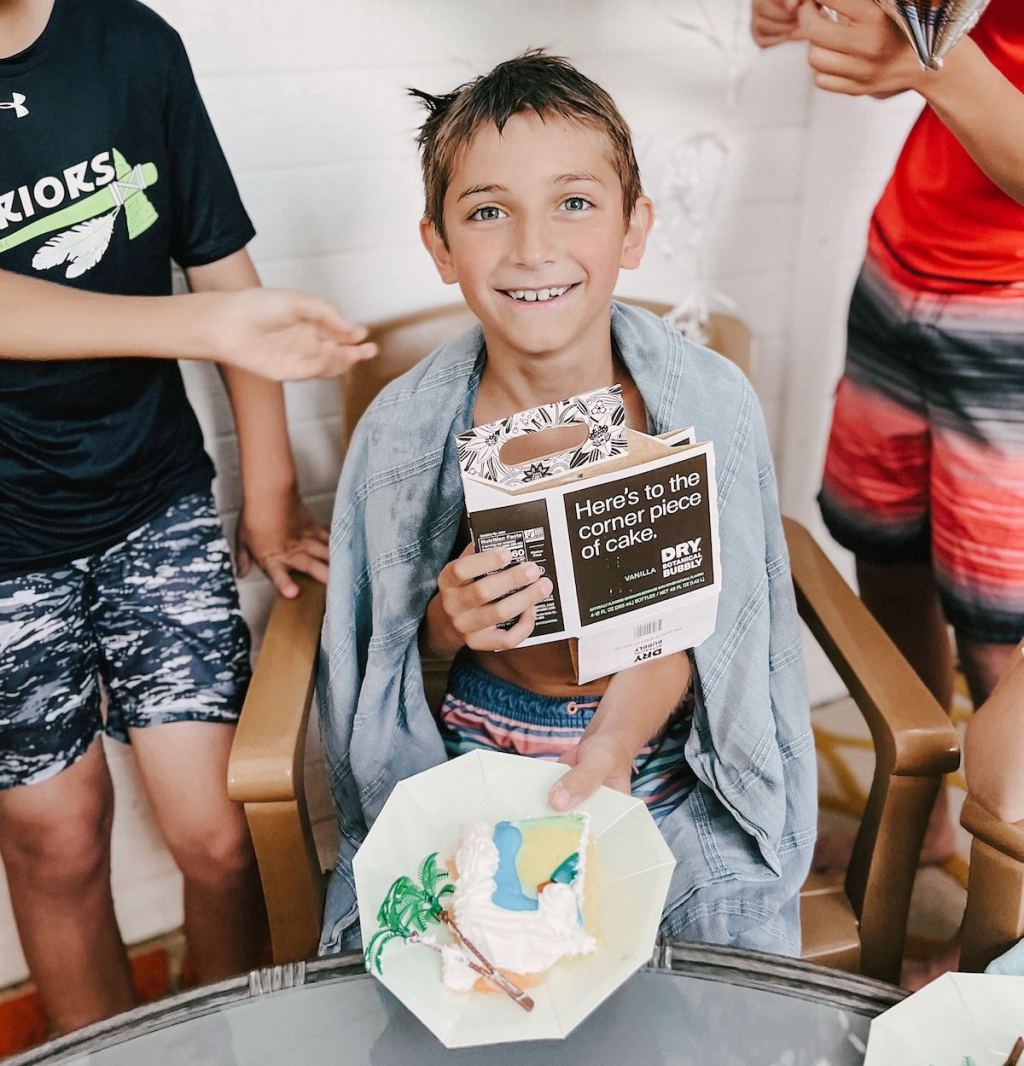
pixel 438 250
pixel 641 220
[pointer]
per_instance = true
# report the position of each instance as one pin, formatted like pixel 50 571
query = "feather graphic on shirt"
pixel 81 247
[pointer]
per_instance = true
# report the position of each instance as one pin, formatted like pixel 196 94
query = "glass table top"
pixel 745 1011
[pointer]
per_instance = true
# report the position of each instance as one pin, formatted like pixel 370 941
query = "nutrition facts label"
pixel 523 529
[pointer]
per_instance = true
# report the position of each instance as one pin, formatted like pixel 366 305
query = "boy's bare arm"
pixel 868 54
pixel 636 706
pixel 275 530
pixel 283 336
pixel 994 746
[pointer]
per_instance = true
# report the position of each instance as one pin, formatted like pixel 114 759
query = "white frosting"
pixel 455 969
pixel 517 941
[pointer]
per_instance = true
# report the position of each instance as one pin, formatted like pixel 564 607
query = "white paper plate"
pixel 426 813
pixel 960 1016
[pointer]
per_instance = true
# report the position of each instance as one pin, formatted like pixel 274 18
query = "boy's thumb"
pixel 573 788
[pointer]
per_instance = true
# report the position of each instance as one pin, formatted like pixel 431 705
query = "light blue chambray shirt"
pixel 743 836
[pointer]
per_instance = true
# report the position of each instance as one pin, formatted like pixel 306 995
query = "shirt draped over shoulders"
pixel 742 838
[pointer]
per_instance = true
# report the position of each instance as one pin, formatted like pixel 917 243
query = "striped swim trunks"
pixel 926 454
pixel 484 711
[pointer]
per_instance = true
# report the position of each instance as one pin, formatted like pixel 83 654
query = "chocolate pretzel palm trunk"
pixel 126 190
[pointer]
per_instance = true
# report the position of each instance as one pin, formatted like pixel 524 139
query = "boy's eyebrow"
pixel 569 179
pixel 473 190
pixel 559 179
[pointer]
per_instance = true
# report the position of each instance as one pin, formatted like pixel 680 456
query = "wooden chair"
pixel 856 926
pixel 994 919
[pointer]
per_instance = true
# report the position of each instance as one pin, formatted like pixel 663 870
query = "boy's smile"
pixel 536 235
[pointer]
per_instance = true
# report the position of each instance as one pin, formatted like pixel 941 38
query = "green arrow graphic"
pixel 126 190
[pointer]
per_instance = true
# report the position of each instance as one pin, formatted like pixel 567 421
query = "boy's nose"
pixel 534 244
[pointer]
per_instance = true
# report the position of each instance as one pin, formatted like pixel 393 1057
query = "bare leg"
pixel 184 767
pixel 983 665
pixel 903 600
pixel 55 843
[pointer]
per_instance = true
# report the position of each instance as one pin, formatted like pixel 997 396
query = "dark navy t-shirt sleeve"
pixel 209 220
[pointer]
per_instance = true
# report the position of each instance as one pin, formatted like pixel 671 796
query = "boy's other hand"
pixel 281 535
pixel 600 758
pixel 864 54
pixel 283 335
pixel 475 594
pixel 774 22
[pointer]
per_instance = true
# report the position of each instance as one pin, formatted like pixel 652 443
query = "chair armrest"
pixel 1006 837
pixel 911 732
pixel 915 744
pixel 267 754
pixel 994 918
pixel 265 772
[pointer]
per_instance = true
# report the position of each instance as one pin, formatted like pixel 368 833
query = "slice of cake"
pixel 520 896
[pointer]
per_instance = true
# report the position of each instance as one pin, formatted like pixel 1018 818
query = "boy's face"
pixel 536 234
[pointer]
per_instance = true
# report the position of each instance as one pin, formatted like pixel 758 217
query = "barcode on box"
pixel 647 629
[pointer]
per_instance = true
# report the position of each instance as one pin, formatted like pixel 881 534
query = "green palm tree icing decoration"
pixel 410 907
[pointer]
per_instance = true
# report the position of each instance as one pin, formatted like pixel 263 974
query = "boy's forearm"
pixel 437 639
pixel 984 111
pixel 261 424
pixel 43 320
pixel 639 701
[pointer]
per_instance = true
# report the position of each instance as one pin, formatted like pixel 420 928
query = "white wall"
pixel 308 100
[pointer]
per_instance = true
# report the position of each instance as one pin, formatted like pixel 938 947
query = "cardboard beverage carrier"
pixel 625 526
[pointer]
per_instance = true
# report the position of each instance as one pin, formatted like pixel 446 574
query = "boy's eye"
pixel 487 213
pixel 577 203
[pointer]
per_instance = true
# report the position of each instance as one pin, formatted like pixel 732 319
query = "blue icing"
pixel 508 892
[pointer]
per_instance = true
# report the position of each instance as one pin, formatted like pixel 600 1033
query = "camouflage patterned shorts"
pixel 155 619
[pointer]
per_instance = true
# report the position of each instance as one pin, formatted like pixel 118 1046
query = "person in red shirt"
pixel 924 476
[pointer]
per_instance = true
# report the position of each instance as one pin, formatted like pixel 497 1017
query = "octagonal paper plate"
pixel 427 813
pixel 959 1019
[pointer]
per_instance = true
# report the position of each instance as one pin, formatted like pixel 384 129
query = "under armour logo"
pixel 17 105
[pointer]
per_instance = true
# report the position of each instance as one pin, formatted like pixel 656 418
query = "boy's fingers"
pixel 315 546
pixel 494 639
pixel 832 84
pixel 494 586
pixel 347 355
pixel 243 561
pixel 837 64
pixel 504 610
pixel 581 781
pixel 471 565
pixel 521 630
pixel 857 10
pixel 325 315
pixel 774 27
pixel 308 564
pixel 277 571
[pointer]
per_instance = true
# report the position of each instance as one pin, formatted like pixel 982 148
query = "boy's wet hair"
pixel 533 81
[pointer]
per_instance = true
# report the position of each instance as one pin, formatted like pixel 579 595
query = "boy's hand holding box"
pixel 625 526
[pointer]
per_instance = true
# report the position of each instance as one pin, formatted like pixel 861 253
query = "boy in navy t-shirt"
pixel 113 565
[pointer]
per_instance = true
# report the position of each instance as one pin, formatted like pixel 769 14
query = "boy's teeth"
pixel 530 295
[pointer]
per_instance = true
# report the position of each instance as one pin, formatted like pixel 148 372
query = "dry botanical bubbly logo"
pixel 677 559
pixel 99 189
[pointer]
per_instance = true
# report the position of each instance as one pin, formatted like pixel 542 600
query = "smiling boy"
pixel 533 204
